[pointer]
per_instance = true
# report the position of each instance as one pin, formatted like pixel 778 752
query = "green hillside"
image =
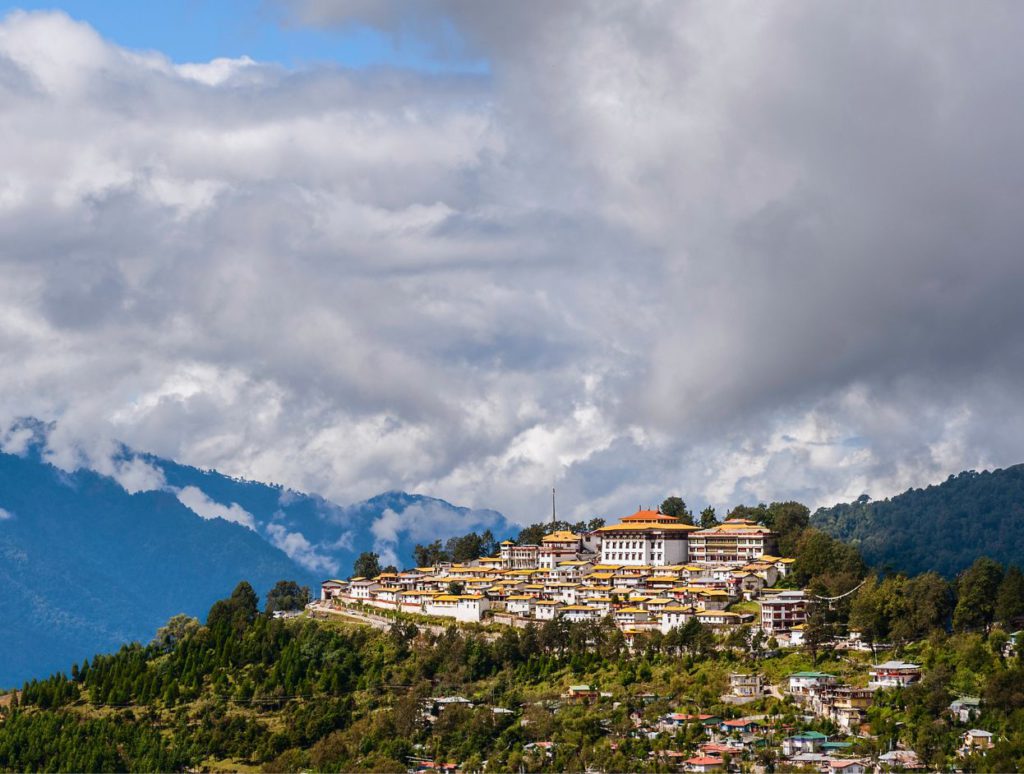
pixel 248 692
pixel 944 527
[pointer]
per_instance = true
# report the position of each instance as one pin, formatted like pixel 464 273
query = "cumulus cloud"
pixel 734 255
pixel 196 500
pixel 5 515
pixel 300 549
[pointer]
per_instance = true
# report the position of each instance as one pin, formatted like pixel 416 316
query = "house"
pixel 363 589
pixel 560 546
pixel 515 557
pixel 716 748
pixel 462 607
pixel 847 766
pixel 627 616
pixel 735 540
pixel 965 709
pixel 845 705
pixel 744 685
pixel 546 609
pixel 899 759
pixel 677 720
pixel 673 616
pixel 645 539
pixel 330 589
pixel 740 726
pixel 581 613
pixel 581 694
pixel 520 604
pixel 803 683
pixel 894 674
pixel 704 763
pixel 807 742
pixel 748 584
pixel 783 611
pixel 975 740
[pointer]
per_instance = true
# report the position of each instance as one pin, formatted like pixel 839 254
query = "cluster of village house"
pixel 649 571
pixel 730 740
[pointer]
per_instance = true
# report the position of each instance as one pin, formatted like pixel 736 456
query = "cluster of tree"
pixel 896 608
pixel 287 595
pixel 941 528
pixel 461 548
pixel 674 505
pixel 535 533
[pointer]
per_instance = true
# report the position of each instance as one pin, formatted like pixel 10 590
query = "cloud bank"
pixel 738 254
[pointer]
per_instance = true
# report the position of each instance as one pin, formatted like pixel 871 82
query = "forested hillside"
pixel 246 691
pixel 944 527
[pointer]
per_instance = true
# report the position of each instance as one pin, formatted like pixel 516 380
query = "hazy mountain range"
pixel 85 565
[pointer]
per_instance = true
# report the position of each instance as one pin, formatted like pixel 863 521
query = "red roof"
pixel 740 722
pixel 706 761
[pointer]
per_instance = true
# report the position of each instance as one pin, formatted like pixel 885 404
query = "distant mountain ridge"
pixel 86 566
pixel 943 527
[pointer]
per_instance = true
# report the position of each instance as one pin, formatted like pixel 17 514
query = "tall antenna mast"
pixel 552 506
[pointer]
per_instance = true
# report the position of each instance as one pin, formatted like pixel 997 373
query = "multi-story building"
pixel 735 540
pixel 845 705
pixel 560 546
pixel 745 685
pixel 808 683
pixel 515 557
pixel 894 674
pixel 645 539
pixel 782 612
pixel 461 607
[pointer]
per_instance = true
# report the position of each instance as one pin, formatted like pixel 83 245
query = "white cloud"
pixel 195 500
pixel 298 548
pixel 5 515
pixel 699 250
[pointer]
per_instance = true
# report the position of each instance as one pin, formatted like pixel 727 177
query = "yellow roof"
pixel 457 597
pixel 580 607
pixel 630 610
pixel 561 536
pixel 519 597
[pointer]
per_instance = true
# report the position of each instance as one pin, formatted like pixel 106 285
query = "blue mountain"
pixel 86 566
pixel 325 537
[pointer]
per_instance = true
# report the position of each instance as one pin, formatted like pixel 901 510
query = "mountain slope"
pixel 85 566
pixel 943 527
pixel 325 537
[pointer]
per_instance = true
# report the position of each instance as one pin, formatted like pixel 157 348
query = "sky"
pixel 734 252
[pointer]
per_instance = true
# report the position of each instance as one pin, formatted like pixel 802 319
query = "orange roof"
pixel 648 516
